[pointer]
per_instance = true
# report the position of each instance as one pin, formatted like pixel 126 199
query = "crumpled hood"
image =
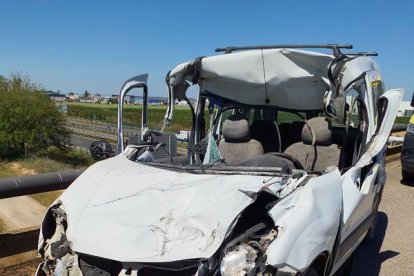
pixel 125 211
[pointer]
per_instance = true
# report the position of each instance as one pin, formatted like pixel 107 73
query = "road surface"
pixel 84 142
pixel 392 251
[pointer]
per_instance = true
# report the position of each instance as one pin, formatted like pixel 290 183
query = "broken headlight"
pixel 59 258
pixel 245 255
pixel 240 261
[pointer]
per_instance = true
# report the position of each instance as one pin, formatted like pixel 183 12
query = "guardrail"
pixel 46 182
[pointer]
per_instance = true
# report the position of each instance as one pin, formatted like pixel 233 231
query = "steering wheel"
pixel 295 161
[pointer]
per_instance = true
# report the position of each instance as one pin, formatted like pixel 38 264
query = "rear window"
pixel 289 117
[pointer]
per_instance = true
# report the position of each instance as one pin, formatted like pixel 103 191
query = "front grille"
pixel 151 271
pixel 92 265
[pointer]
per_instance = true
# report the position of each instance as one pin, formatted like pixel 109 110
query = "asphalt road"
pixel 392 251
pixel 84 142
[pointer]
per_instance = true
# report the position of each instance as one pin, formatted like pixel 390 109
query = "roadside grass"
pixel 402 120
pixel 108 113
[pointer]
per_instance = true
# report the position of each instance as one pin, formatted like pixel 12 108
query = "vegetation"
pixel 29 120
pixel 402 120
pixel 132 115
pixel 72 158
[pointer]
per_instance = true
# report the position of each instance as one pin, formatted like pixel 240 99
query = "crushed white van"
pixel 284 173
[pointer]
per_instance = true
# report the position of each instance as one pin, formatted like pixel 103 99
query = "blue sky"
pixel 96 45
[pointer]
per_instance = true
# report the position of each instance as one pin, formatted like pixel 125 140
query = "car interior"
pixel 267 137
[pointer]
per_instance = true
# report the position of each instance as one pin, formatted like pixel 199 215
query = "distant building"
pixel 405 109
pixel 182 103
pixel 73 98
pixel 56 96
pixel 86 99
pixel 97 98
pixel 129 99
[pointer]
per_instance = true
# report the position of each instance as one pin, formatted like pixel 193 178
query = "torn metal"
pixel 172 210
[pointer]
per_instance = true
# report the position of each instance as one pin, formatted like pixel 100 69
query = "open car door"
pixel 362 184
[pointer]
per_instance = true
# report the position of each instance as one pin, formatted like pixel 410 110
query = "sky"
pixel 96 45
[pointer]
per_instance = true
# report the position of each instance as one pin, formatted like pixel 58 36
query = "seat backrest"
pixel 265 132
pixel 237 145
pixel 318 152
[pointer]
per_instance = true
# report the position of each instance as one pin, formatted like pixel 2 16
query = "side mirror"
pixel 412 100
pixel 101 150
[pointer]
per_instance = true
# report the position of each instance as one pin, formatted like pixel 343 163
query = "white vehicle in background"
pixel 183 135
pixel 283 176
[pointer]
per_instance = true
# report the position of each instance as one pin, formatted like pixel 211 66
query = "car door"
pixel 363 181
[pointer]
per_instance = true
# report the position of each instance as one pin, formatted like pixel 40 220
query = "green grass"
pixel 402 120
pixel 108 113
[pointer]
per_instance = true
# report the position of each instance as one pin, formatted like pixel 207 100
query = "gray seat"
pixel 236 144
pixel 320 154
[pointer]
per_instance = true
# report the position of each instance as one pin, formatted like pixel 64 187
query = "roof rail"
pixel 335 47
pixel 366 54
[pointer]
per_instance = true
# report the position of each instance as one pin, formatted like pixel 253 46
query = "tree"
pixel 71 94
pixel 29 120
pixel 86 94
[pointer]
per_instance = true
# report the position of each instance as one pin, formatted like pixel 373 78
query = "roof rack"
pixel 366 54
pixel 335 47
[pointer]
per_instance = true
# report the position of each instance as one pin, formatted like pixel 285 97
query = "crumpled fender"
pixel 307 221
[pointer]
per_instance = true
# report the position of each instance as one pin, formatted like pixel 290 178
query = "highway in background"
pixel 84 143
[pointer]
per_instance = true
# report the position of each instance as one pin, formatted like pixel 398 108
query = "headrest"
pixel 236 129
pixel 321 127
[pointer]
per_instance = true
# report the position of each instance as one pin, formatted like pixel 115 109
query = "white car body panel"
pixel 287 78
pixel 393 97
pixel 308 222
pixel 139 213
pixel 358 203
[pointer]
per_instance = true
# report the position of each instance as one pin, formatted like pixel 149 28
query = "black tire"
pixel 407 176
